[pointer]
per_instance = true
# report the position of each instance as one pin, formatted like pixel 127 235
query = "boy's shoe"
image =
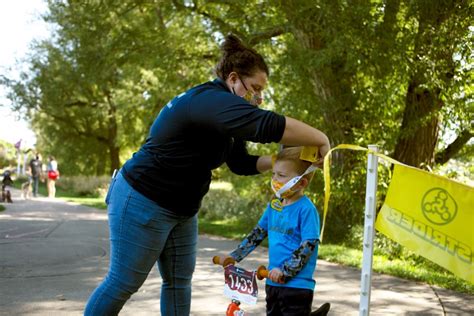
pixel 322 310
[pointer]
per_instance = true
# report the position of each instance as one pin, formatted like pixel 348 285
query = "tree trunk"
pixel 418 135
pixel 100 168
pixel 114 155
pixel 331 84
pixel 114 149
pixel 419 131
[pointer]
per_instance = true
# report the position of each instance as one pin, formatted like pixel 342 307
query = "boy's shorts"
pixel 288 301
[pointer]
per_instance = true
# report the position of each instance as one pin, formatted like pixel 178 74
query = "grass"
pixel 406 269
pixel 96 202
pixel 232 229
pixel 69 196
pixel 353 257
pixel 2 208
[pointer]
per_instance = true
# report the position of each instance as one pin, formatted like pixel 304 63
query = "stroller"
pixel 7 182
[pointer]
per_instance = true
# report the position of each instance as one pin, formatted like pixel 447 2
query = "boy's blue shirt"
pixel 286 230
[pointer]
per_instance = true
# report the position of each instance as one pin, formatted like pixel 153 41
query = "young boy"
pixel 291 223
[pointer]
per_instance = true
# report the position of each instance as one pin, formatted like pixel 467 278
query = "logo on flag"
pixel 438 206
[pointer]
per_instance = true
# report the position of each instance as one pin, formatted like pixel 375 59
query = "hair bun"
pixel 232 44
pixel 236 57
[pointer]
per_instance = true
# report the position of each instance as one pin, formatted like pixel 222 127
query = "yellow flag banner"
pixel 432 216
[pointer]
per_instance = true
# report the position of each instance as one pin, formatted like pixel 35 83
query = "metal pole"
pixel 369 232
pixel 18 166
pixel 25 162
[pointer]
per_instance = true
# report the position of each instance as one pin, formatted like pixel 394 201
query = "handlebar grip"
pixel 262 272
pixel 216 259
pixel 227 261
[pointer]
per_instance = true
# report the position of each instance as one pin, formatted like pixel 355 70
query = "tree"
pixel 442 27
pixel 380 72
pixel 91 89
pixel 396 73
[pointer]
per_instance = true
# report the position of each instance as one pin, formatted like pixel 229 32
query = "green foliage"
pixel 2 208
pixel 7 155
pixel 74 186
pixel 107 72
pixel 229 205
pixel 95 202
pixel 92 91
pixel 90 186
pixel 228 228
pixel 347 200
pixel 412 268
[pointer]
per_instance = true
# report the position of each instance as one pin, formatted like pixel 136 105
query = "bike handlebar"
pixel 262 271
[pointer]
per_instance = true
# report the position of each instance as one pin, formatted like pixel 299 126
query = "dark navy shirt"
pixel 196 132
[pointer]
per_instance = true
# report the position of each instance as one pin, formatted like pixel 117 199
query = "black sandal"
pixel 322 310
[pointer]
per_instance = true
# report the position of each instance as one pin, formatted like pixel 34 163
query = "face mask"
pixel 250 97
pixel 284 190
pixel 277 185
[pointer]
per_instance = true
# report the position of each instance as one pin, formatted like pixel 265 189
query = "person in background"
pixel 36 171
pixel 53 175
pixel 7 182
pixel 154 199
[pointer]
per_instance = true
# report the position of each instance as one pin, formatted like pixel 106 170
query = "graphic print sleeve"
pixel 256 236
pixel 299 258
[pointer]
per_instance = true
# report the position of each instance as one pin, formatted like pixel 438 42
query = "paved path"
pixel 53 254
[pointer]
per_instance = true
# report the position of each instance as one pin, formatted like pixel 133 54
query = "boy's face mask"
pixel 285 190
pixel 277 185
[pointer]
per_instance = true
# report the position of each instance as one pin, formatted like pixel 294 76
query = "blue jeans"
pixel 142 234
pixel 35 185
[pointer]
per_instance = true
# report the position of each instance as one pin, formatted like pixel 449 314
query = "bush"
pixel 382 244
pixel 8 154
pixel 85 185
pixel 221 204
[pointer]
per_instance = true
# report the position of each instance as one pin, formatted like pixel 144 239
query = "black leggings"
pixel 288 301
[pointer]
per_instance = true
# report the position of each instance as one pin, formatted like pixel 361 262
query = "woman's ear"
pixel 233 76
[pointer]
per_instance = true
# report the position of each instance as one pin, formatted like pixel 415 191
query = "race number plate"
pixel 240 284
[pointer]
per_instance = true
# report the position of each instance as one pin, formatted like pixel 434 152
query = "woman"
pixel 53 174
pixel 154 198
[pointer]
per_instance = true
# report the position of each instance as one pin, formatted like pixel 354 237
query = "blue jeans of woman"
pixel 141 234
